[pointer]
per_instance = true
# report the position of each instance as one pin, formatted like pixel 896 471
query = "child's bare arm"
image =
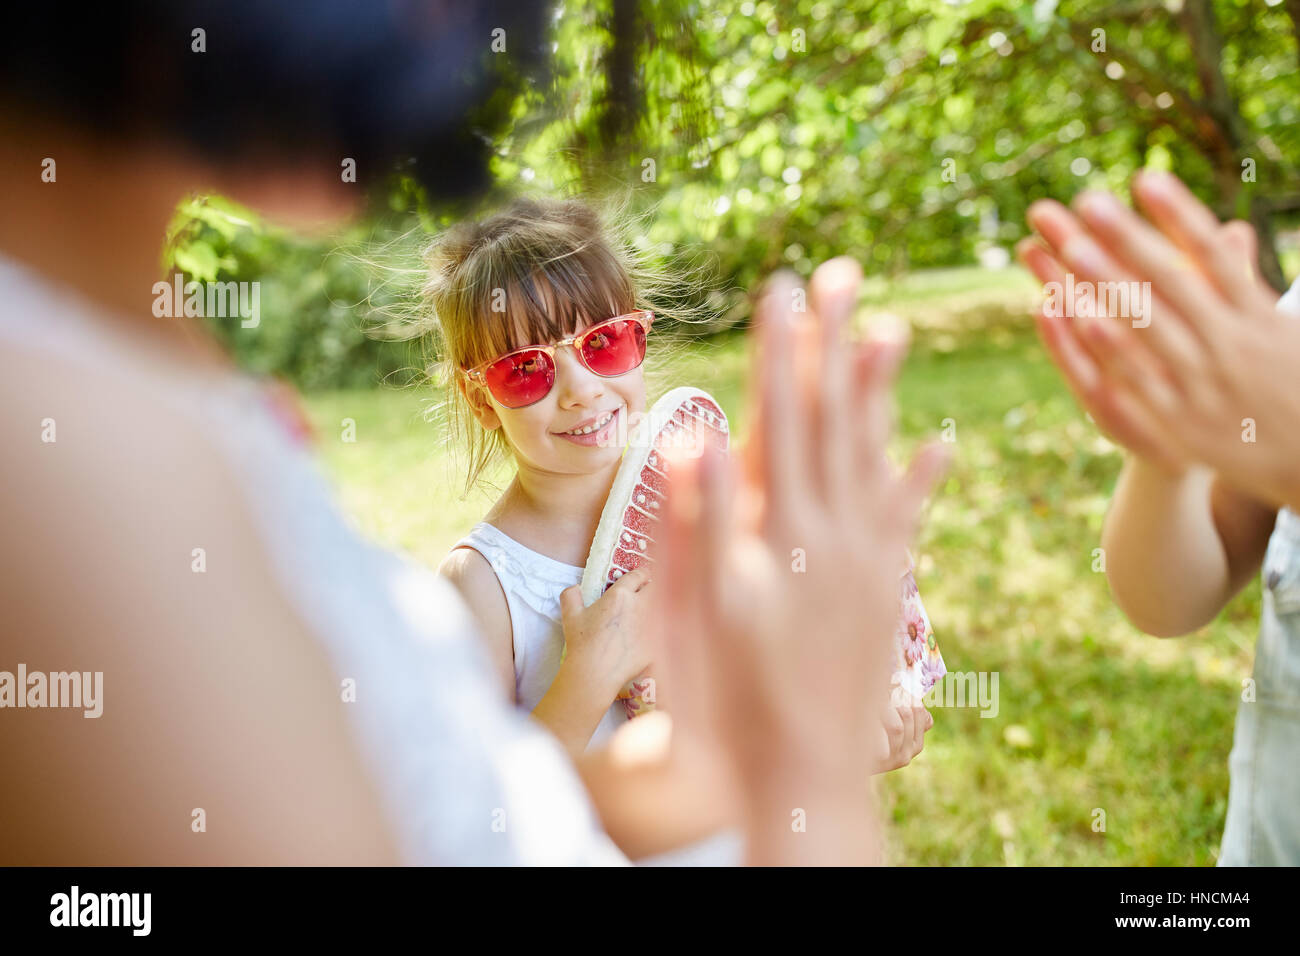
pixel 605 649
pixel 1178 547
pixel 477 583
pixel 1179 540
pixel 588 680
pixel 570 709
pixel 655 793
pixel 1244 524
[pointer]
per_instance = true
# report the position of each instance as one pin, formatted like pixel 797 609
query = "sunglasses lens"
pixel 614 348
pixel 521 379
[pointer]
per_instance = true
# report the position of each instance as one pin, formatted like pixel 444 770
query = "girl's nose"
pixel 576 385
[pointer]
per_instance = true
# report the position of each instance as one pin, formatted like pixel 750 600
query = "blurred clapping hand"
pixel 785 671
pixel 1208 377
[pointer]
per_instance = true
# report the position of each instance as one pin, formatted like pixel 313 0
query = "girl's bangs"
pixel 557 298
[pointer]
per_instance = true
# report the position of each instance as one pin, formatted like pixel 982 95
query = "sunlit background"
pixel 911 135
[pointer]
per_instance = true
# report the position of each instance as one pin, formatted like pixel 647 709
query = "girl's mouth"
pixel 602 433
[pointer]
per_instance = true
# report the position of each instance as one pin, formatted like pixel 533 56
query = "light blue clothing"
pixel 1263 824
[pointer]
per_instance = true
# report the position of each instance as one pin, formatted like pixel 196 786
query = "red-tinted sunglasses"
pixel 525 376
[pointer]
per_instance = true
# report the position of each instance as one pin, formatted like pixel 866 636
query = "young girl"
pixel 541 273
pixel 544 334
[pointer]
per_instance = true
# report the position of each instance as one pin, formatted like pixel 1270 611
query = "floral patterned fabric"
pixel 638 697
pixel 917 661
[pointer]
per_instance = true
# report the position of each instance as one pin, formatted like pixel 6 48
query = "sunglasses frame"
pixel 476 374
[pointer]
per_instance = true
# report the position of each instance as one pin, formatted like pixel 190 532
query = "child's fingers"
pixel 1045 266
pixel 752 456
pixel 1192 226
pixel 1122 417
pixel 882 749
pixel 1240 238
pixel 834 293
pixel 922 721
pixel 922 475
pixel 876 366
pixel 1141 252
pixel 893 729
pixel 1072 246
pixel 1054 224
pixel 1121 360
pixel 1069 356
pixel 870 418
pixel 1036 257
pixel 629 582
pixel 712 530
pixel 678 622
pixel 686 579
pixel 781 421
pixel 1112 285
pixel 571 602
pixel 1118 417
pixel 1084 381
pixel 908 718
pixel 1170 340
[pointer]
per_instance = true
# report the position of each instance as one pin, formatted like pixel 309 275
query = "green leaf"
pixel 198 260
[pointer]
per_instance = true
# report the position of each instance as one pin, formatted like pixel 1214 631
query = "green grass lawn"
pixel 1093 716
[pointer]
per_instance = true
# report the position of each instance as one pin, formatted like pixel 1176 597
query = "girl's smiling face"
pixel 536 274
pixel 579 427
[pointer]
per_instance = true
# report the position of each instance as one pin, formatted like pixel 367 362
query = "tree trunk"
pixel 1293 8
pixel 1229 133
pixel 1262 220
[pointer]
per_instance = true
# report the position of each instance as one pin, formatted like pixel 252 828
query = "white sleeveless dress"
pixel 532 583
